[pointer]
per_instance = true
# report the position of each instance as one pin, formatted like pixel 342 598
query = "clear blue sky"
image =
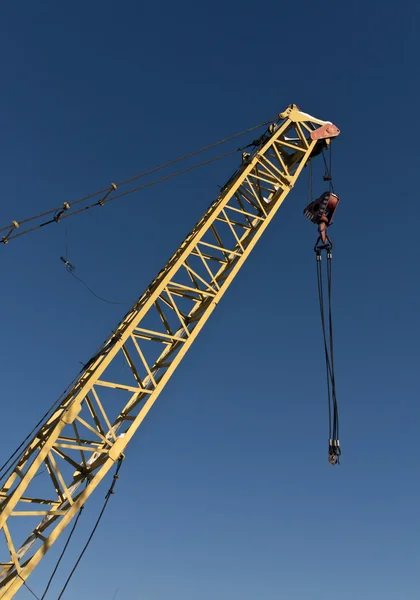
pixel 226 491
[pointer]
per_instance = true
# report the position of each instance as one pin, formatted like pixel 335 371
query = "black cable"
pixel 62 554
pixel 327 171
pixel 327 360
pixel 331 182
pixel 333 421
pixel 107 497
pixel 329 279
pixel 29 589
pixel 93 293
pixel 71 268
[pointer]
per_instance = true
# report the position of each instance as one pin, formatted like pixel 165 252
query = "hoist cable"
pixel 333 420
pixel 328 170
pixel 331 182
pixel 329 280
pixel 107 497
pixel 138 176
pixel 327 361
pixel 310 183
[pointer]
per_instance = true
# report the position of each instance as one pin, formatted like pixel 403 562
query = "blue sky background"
pixel 226 491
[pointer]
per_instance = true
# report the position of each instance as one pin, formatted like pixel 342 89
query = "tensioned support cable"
pixel 107 194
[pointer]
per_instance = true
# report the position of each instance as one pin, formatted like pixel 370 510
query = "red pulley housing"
pixel 322 210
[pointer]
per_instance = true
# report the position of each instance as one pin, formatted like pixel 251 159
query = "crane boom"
pixel 88 431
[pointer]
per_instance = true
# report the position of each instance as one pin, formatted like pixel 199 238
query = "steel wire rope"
pixel 138 176
pixel 328 169
pixel 126 193
pixel 29 589
pixel 336 432
pixel 324 334
pixel 333 420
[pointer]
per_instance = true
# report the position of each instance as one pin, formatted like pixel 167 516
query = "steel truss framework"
pixel 89 430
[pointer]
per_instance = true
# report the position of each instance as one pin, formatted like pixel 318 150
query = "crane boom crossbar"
pixel 87 433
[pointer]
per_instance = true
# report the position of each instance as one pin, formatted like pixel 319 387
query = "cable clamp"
pixel 14 225
pixel 69 266
pixel 59 213
pixel 334 452
pixel 113 187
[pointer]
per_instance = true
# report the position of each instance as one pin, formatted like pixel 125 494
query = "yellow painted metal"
pixel 92 425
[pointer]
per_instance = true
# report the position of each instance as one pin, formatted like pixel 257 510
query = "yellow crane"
pixel 87 431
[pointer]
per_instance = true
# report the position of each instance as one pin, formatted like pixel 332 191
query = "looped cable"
pixel 334 450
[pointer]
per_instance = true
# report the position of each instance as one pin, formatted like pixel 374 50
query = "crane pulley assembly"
pixel 321 212
pixel 88 428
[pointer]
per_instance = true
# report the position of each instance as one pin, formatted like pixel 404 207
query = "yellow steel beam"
pixel 152 339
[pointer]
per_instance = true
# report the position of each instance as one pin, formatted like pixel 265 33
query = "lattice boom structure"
pixel 91 427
